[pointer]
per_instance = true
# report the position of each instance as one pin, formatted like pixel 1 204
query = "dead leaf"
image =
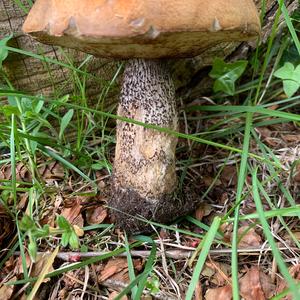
pixel 216 272
pixel 248 238
pixel 6 225
pixel 296 174
pixel 114 294
pixel 229 176
pixel 291 138
pixel 73 212
pixel 38 266
pixel 117 269
pixel 19 266
pixel 221 293
pixel 204 209
pixel 256 285
pixel 198 291
pixel 96 215
pixel 6 291
pixel 264 132
pixel 282 285
pixel 79 232
pixel 112 267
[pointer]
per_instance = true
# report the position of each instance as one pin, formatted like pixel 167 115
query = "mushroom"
pixel 147 33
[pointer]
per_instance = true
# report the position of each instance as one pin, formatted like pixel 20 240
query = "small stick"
pixel 175 254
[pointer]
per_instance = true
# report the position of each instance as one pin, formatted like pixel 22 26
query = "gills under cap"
pixel 142 28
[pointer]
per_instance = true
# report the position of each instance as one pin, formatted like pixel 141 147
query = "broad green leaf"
pixel 3 50
pixel 285 72
pixel 65 238
pixel 153 284
pixel 65 122
pixel 290 87
pixel 32 250
pixel 226 75
pixel 290 77
pixel 73 240
pixel 63 223
pixel 26 223
pixel 9 110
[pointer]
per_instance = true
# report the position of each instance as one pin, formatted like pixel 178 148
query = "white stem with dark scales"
pixel 144 181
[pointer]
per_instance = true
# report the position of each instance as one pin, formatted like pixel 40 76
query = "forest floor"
pixel 238 147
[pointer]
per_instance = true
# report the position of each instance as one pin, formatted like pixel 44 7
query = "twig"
pixel 175 254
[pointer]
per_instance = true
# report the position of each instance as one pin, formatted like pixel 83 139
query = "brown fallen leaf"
pixel 282 285
pixel 221 293
pixel 198 291
pixel 291 138
pixel 117 269
pixel 19 264
pixel 38 266
pixel 204 209
pixel 248 238
pixel 96 215
pixel 6 291
pixel 229 176
pixel 114 294
pixel 49 171
pixel 296 175
pixel 72 211
pixel 216 272
pixel 7 226
pixel 256 285
pixel 264 132
pixel 112 267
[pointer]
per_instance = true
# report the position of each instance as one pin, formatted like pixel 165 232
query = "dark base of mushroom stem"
pixel 131 211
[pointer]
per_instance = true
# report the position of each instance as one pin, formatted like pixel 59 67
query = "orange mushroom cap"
pixel 142 29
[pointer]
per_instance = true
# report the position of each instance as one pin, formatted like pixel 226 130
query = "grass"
pixel 79 133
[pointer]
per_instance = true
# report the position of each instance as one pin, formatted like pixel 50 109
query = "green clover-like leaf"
pixel 226 74
pixel 290 77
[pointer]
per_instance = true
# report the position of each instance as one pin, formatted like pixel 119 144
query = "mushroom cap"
pixel 142 28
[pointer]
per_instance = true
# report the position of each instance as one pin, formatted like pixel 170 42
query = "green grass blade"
pixel 205 246
pixel 239 195
pixel 66 163
pixel 43 274
pixel 266 229
pixel 130 267
pixel 76 266
pixel 158 128
pixel 148 267
pixel 253 109
pixel 290 25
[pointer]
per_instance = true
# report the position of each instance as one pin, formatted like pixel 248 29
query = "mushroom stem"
pixel 144 178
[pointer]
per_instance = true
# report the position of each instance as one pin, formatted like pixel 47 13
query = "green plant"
pixel 226 74
pixel 290 76
pixel 35 233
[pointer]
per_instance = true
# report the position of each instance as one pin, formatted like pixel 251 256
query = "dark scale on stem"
pixel 148 86
pixel 148 96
